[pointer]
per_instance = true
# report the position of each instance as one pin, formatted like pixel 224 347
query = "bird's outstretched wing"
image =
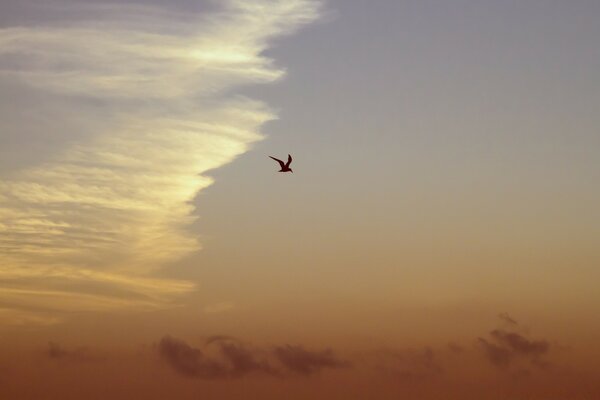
pixel 281 163
pixel 289 161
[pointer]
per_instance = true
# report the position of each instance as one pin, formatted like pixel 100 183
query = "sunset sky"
pixel 438 239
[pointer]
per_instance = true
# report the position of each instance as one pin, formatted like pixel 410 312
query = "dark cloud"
pixel 54 351
pixel 497 355
pixel 507 318
pixel 189 361
pixel 520 344
pixel 243 360
pixel 304 362
pixel 240 358
pixel 504 346
pixel 228 358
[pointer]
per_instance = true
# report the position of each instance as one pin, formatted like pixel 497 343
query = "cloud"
pixel 59 353
pixel 189 361
pixel 243 361
pixel 145 94
pixel 305 362
pixel 233 359
pixel 507 318
pixel 497 355
pixel 504 347
pixel 519 344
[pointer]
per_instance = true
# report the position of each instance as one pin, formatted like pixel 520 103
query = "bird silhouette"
pixel 285 167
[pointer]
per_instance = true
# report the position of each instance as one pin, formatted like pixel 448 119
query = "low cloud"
pixel 519 344
pixel 189 361
pixel 502 348
pixel 305 362
pixel 55 351
pixel 497 355
pixel 243 361
pixel 225 357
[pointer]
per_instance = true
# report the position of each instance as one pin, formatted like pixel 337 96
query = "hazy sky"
pixel 441 226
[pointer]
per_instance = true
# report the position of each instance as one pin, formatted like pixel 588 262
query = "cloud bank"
pixel 233 359
pixel 146 94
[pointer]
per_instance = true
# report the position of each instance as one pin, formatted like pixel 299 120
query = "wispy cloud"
pixel 507 318
pixel 86 229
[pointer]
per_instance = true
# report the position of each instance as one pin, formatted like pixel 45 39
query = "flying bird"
pixel 285 167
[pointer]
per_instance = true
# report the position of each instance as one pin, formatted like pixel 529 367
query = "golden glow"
pixel 111 209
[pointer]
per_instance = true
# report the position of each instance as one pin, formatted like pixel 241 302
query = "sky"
pixel 439 237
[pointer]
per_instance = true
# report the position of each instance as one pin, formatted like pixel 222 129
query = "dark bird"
pixel 285 167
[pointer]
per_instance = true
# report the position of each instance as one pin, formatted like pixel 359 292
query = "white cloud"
pixel 86 229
